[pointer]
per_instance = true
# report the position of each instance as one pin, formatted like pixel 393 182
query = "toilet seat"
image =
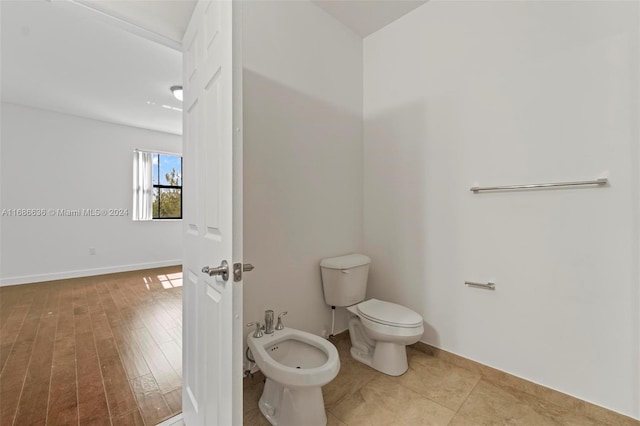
pixel 389 314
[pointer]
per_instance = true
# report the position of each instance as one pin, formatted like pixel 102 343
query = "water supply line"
pixel 252 362
pixel 333 321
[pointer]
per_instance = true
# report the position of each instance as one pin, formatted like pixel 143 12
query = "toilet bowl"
pixel 380 332
pixel 296 365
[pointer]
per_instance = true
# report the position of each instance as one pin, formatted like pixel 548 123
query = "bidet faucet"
pixel 280 325
pixel 268 321
pixel 258 332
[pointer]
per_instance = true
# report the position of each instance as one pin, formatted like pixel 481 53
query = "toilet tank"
pixel 344 279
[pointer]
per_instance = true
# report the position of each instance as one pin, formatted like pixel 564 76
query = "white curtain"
pixel 142 185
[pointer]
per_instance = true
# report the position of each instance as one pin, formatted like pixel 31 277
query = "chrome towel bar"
pixel 488 286
pixel 598 182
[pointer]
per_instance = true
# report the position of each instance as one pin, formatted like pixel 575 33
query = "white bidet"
pixel 296 364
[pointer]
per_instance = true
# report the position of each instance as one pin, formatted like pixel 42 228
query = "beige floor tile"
pixel 602 416
pixel 383 401
pixel 351 378
pixel 451 358
pixel 438 380
pixel 255 418
pixel 333 420
pixel 489 404
pixel 343 344
pixel 431 391
pixel 252 391
pixel 250 381
pixel 576 419
pixel 575 411
pixel 353 375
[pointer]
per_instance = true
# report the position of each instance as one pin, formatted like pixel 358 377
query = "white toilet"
pixel 379 331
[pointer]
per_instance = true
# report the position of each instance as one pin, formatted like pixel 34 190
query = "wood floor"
pixel 104 350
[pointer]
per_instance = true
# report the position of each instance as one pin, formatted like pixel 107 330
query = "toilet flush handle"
pixel 344 271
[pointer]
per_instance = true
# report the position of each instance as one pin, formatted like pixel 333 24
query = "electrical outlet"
pixel 92 251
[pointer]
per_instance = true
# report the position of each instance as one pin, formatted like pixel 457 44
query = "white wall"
pixel 465 93
pixel 58 161
pixel 302 157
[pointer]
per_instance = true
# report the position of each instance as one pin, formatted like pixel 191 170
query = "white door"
pixel 212 199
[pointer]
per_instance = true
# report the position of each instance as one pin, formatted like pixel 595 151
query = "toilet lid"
pixel 389 313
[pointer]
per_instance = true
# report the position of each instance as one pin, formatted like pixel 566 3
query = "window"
pixel 157 186
pixel 167 186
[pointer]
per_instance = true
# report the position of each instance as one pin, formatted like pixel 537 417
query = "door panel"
pixel 213 309
pixel 213 216
pixel 212 154
pixel 191 328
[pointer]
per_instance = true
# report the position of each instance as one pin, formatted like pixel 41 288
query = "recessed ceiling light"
pixel 177 92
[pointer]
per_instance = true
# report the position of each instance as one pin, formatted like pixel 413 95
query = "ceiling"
pixel 368 16
pixel 74 57
pixel 168 18
pixel 66 58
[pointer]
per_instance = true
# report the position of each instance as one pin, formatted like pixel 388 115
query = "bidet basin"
pixel 297 354
pixel 295 358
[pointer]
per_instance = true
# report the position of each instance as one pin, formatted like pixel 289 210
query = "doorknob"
pixel 239 268
pixel 222 270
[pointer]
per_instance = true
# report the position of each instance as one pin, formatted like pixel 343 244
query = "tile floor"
pixel 433 392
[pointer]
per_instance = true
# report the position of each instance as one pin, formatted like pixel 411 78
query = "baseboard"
pixel 28 279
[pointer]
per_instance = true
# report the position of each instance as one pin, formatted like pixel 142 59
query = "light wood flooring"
pixel 103 350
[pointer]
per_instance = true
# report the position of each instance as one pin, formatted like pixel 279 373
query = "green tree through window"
pixel 167 186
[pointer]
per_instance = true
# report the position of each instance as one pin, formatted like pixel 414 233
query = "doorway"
pixel 83 338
